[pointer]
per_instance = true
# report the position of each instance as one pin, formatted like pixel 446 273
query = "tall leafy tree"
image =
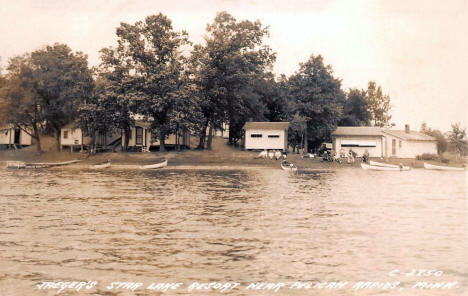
pixel 378 105
pixel 318 99
pixel 21 104
pixel 227 66
pixel 355 111
pixel 45 89
pixel 62 81
pixel 116 91
pixel 457 139
pixel 153 49
pixel 442 143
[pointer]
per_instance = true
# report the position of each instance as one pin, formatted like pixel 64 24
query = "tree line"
pixel 157 72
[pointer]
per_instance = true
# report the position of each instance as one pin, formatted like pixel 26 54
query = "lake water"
pixel 232 226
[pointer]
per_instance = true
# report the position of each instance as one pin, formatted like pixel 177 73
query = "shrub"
pixel 428 156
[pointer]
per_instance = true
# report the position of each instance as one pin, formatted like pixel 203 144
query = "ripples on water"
pixel 244 226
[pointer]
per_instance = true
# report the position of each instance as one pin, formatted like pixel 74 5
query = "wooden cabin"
pixel 265 135
pixel 141 138
pixel 72 137
pixel 14 137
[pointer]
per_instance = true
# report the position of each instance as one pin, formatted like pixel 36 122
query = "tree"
pixel 457 139
pixel 355 112
pixel 21 104
pixel 116 91
pixel 378 105
pixel 318 98
pixel 152 48
pixel 442 143
pixel 61 80
pixel 226 69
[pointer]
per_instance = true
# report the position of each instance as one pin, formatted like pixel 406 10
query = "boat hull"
pixel 375 163
pixel 428 166
pixel 381 168
pixel 101 166
pixel 154 166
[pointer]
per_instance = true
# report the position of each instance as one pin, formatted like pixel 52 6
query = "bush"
pixel 428 156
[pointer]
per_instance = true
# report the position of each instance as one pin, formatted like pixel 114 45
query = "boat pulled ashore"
pixel 15 164
pixel 287 166
pixel 381 164
pixel 429 166
pixel 154 166
pixel 101 165
pixel 383 168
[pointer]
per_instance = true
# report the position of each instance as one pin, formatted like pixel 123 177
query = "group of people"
pixel 272 154
pixel 350 156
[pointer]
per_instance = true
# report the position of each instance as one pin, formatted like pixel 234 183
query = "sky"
pixel 416 50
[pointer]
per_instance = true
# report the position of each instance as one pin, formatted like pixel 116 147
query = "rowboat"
pixel 381 168
pixel 387 165
pixel 37 165
pixel 428 166
pixel 101 165
pixel 155 166
pixel 15 165
pixel 287 166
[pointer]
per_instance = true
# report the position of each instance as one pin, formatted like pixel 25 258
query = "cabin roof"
pixel 411 136
pixel 265 125
pixel 358 131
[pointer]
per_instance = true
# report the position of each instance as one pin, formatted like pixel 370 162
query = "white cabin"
pixel 11 136
pixel 266 135
pixel 72 136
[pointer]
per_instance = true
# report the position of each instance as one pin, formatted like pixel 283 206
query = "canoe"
pixel 428 166
pixel 387 165
pixel 381 168
pixel 101 165
pixel 50 164
pixel 287 166
pixel 155 166
pixel 15 164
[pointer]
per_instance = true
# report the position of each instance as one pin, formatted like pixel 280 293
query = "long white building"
pixel 381 142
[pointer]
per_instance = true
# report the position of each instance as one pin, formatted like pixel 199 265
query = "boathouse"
pixel 14 137
pixel 265 135
pixel 381 142
pixel 359 139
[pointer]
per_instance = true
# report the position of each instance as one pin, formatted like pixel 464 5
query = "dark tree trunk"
pixel 210 138
pixel 306 141
pixel 162 145
pixel 57 137
pixel 37 139
pixel 201 143
pixel 126 139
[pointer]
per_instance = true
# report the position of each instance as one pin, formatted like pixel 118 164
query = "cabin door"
pixel 17 136
pixel 139 136
pixel 393 147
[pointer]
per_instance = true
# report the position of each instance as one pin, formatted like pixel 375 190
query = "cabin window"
pixel 65 134
pixel 399 144
pixel 273 136
pixel 256 135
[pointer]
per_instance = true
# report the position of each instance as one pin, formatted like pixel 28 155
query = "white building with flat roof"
pixel 266 135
